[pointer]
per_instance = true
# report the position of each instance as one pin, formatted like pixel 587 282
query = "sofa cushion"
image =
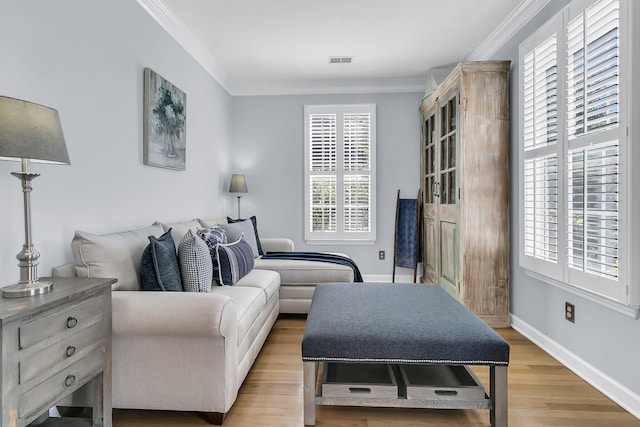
pixel 115 255
pixel 179 229
pixel 254 222
pixel 249 303
pixel 242 228
pixel 298 272
pixel 268 281
pixel 208 223
pixel 196 267
pixel 235 260
pixel 159 270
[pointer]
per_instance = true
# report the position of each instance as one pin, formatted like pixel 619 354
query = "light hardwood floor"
pixel 542 392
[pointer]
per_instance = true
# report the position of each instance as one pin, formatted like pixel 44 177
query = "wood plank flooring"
pixel 542 392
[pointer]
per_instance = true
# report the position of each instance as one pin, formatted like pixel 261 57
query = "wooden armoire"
pixel 465 187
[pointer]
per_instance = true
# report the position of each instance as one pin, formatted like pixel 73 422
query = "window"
pixel 340 142
pixel 574 119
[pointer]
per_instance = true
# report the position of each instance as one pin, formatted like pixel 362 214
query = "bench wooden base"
pixel 496 401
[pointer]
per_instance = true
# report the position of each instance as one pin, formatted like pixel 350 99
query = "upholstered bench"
pixel 403 324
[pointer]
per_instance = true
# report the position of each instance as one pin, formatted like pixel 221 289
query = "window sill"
pixel 340 242
pixel 627 310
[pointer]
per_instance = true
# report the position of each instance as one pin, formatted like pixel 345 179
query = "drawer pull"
pixel 446 392
pixel 70 351
pixel 71 322
pixel 68 382
pixel 361 390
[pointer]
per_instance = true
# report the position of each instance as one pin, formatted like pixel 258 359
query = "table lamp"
pixel 29 133
pixel 238 185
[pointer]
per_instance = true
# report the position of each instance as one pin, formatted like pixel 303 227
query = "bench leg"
pixel 309 378
pixel 499 404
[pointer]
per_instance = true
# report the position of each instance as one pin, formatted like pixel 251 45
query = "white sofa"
pixel 187 351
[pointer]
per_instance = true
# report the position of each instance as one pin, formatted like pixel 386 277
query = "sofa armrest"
pixel 173 314
pixel 276 244
pixel 65 270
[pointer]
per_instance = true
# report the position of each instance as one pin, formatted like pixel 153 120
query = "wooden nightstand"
pixel 54 343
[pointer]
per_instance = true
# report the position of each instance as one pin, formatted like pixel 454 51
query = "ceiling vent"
pixel 340 59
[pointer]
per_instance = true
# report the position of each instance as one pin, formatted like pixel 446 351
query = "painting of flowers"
pixel 164 123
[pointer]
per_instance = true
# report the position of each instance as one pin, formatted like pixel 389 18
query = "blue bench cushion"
pixel 397 323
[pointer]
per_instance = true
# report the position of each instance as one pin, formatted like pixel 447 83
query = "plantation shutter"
pixel 340 173
pixel 593 131
pixel 323 134
pixel 540 148
pixel 357 172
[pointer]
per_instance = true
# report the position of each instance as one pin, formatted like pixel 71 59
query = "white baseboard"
pixel 617 392
pixel 386 278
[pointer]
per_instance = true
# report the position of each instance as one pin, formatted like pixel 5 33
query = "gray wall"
pixel 604 339
pixel 86 59
pixel 268 147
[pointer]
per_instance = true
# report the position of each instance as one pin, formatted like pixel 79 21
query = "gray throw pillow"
pixel 254 221
pixel 238 229
pixel 159 270
pixel 196 267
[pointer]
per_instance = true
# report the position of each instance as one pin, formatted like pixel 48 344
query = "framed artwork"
pixel 165 122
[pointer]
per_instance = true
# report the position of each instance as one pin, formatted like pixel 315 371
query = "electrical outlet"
pixel 570 312
pixel 380 254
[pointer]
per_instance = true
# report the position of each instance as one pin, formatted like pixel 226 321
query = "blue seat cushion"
pixel 397 323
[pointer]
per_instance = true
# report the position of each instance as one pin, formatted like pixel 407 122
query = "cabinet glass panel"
pixel 452 151
pixel 430 160
pixel 452 114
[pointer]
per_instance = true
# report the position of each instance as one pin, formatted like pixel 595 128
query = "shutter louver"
pixel 357 141
pixel 357 183
pixel 357 200
pixel 323 142
pixel 540 136
pixel 541 95
pixel 593 209
pixel 541 208
pixel 323 203
pixel 593 75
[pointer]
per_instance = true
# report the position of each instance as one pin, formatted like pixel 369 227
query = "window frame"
pixel 340 235
pixel 622 295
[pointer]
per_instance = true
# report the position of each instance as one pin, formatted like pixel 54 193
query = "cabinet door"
pixel 448 152
pixel 431 196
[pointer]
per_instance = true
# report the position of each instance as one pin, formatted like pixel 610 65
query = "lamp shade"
pixel 238 184
pixel 30 131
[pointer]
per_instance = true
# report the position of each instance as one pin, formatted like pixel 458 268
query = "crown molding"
pixel 159 11
pixel 513 23
pixel 322 87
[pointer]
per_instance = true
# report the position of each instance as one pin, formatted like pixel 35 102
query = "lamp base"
pixel 26 289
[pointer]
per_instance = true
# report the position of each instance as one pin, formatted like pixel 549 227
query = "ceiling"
pixel 283 46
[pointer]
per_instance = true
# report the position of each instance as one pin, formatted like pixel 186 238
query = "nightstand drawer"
pixel 45 394
pixel 62 323
pixel 63 353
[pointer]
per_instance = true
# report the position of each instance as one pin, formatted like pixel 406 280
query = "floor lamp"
pixel 238 185
pixel 29 133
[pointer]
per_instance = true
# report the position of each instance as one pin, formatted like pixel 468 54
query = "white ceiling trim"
pixel 181 33
pixel 513 23
pixel 321 86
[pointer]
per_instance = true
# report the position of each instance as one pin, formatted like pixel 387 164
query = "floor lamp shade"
pixel 238 185
pixel 29 133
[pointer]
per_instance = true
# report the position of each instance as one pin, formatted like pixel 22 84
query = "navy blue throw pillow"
pixel 254 221
pixel 159 269
pixel 235 260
